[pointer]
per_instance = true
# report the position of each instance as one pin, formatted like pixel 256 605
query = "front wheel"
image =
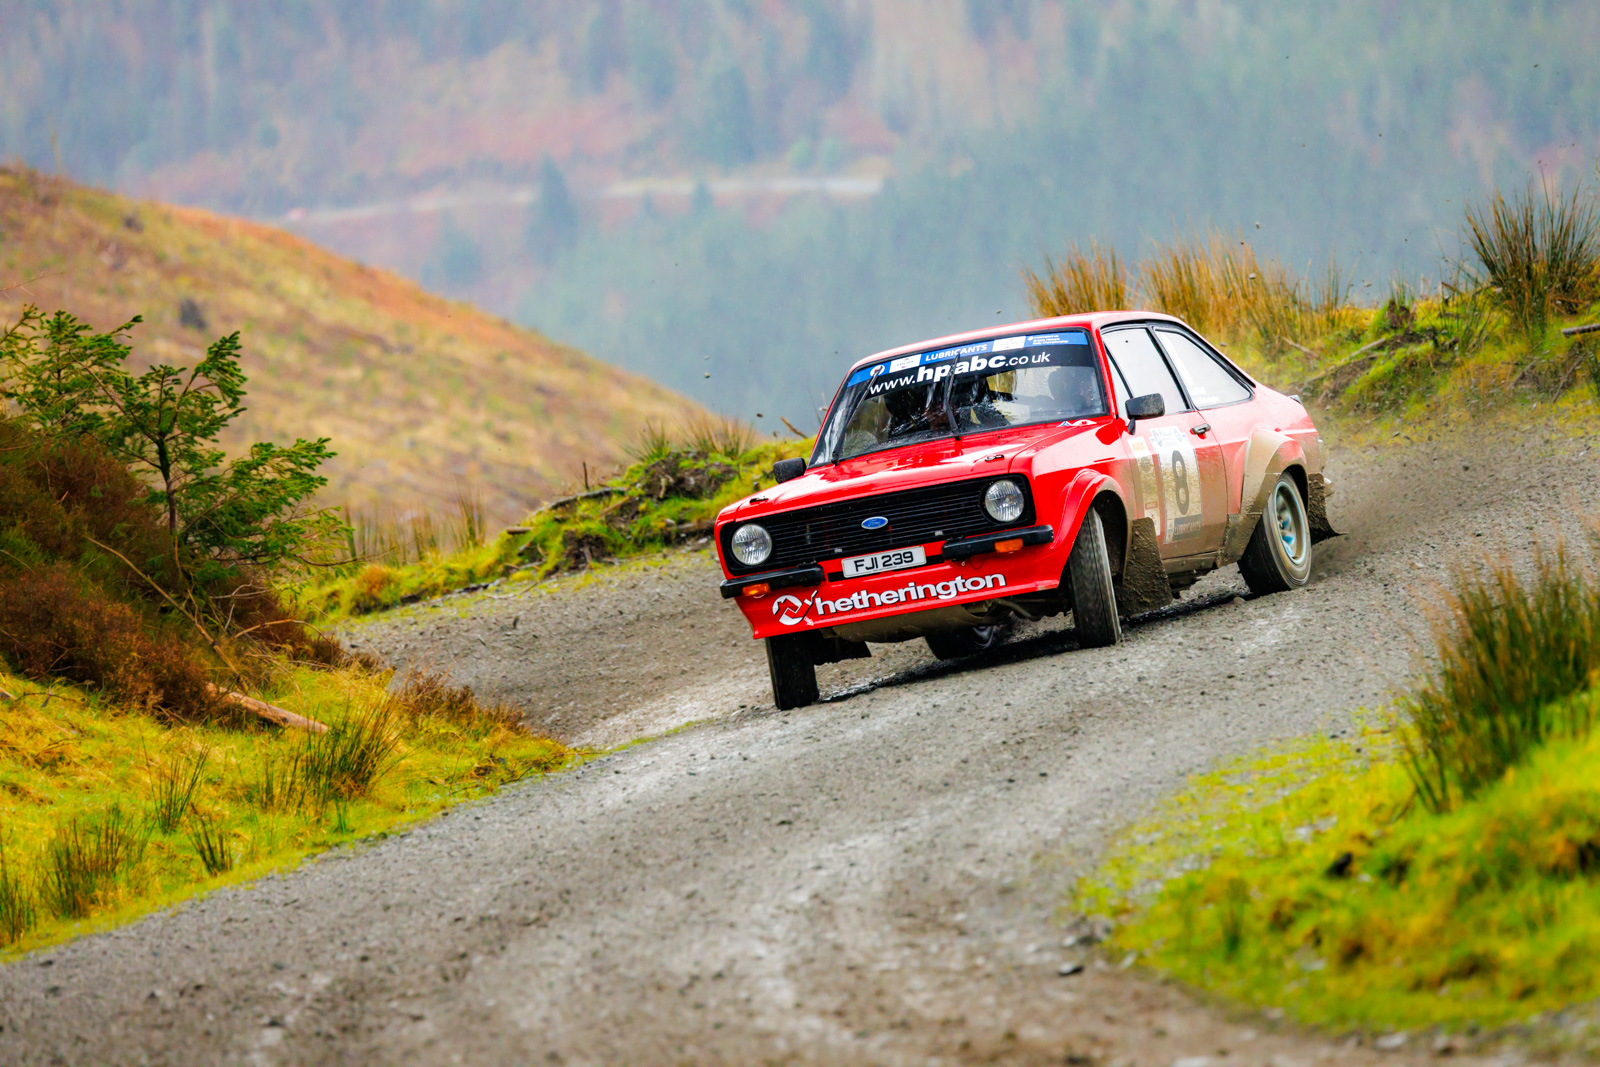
pixel 794 674
pixel 1278 557
pixel 1094 600
pixel 968 641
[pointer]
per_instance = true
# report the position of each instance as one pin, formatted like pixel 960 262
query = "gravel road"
pixel 876 879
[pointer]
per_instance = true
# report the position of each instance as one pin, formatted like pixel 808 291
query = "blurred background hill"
pixel 425 398
pixel 735 197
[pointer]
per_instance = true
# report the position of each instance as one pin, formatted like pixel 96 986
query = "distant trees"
pixel 552 224
pixel 725 131
pixel 456 261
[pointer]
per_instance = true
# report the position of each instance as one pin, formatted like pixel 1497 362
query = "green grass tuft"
pixel 211 844
pixel 172 789
pixel 357 749
pixel 1509 651
pixel 1538 254
pixel 87 857
pixel 18 907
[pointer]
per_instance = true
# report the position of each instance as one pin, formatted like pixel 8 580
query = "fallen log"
pixel 593 494
pixel 269 712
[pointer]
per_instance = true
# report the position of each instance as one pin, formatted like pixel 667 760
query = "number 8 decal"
pixel 1180 483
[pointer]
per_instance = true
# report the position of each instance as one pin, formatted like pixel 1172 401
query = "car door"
pixel 1219 393
pixel 1183 483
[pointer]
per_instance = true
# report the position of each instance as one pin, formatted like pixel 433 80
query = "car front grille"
pixel 916 516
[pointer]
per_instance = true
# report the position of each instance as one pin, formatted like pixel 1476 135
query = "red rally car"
pixel 1097 464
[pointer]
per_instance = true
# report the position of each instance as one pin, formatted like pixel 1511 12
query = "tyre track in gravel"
pixel 871 880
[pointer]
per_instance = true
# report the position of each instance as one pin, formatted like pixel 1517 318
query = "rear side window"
pixel 1139 363
pixel 1208 382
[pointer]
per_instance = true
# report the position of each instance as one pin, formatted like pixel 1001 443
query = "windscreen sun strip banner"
pixel 967 351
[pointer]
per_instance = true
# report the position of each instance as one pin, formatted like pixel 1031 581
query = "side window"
pixel 1139 362
pixel 1121 383
pixel 1207 381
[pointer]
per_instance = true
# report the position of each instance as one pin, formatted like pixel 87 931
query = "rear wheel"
pixel 794 675
pixel 968 641
pixel 1278 557
pixel 1094 601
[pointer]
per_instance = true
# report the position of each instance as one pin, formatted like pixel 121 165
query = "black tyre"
pixel 794 675
pixel 965 642
pixel 1278 557
pixel 1094 601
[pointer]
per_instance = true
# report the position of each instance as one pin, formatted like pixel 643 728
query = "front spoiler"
pixel 811 575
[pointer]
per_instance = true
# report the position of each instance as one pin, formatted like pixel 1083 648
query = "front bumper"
pixel 957 573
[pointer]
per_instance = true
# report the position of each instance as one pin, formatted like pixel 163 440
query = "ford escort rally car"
pixel 1094 464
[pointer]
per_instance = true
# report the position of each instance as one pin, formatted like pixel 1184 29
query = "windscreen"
pixel 987 385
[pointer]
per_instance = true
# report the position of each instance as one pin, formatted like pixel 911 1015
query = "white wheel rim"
pixel 1291 520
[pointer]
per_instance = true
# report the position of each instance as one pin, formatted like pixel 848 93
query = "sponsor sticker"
pixel 790 610
pixel 1148 487
pixel 1180 482
pixel 1066 337
pixel 965 352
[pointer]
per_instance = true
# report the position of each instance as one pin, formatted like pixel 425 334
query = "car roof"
pixel 1093 320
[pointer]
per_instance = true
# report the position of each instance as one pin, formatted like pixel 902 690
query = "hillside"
pixel 418 393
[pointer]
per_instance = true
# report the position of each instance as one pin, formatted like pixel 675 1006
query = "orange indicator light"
pixel 1010 545
pixel 758 589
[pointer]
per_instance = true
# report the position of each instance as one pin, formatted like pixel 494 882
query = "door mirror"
pixel 786 469
pixel 1149 406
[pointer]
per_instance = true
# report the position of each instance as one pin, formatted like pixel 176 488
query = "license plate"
pixel 880 562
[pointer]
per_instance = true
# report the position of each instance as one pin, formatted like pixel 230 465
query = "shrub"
pixel 1509 650
pixel 1539 253
pixel 58 493
pixel 1082 281
pixel 86 857
pixel 55 622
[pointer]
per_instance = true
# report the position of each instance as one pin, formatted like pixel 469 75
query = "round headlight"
pixel 751 544
pixel 1004 501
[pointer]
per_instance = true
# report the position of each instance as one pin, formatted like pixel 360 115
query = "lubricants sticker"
pixel 1180 482
pixel 792 611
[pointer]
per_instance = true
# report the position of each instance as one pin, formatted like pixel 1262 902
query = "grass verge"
pixel 1441 871
pixel 106 813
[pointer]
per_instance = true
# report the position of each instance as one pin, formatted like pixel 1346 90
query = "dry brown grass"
pixel 1217 284
pixel 1081 281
